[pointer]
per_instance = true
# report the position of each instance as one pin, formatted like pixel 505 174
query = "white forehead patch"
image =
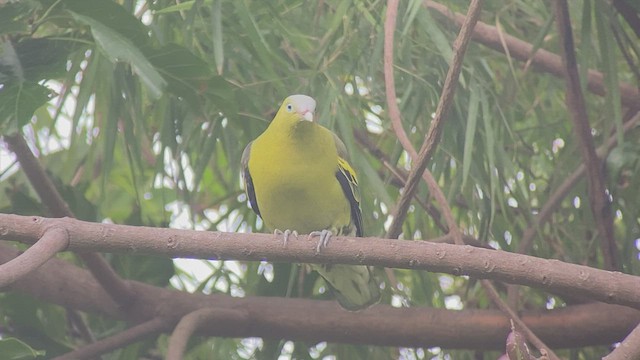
pixel 302 103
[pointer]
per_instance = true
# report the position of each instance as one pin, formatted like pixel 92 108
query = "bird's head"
pixel 297 108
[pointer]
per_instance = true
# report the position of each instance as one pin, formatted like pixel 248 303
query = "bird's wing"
pixel 348 181
pixel 248 182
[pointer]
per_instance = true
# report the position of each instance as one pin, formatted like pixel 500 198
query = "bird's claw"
pixel 325 236
pixel 285 234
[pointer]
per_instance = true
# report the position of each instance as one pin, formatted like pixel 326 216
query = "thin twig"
pixel 38 178
pixel 50 197
pixel 598 197
pixel 389 79
pixel 435 130
pixel 554 200
pixel 77 322
pixel 193 321
pixel 502 305
pixel 561 191
pixel 399 178
pixel 396 123
pixel 542 59
pixel 52 241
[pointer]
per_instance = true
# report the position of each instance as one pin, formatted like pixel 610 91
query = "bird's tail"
pixel 355 287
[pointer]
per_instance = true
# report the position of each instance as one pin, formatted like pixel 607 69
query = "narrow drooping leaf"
pixel 117 48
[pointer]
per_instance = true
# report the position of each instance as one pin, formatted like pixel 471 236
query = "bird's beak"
pixel 308 115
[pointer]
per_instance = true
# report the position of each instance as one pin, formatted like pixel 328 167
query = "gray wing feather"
pixel 349 186
pixel 248 182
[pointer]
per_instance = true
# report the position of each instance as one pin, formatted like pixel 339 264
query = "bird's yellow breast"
pixel 293 172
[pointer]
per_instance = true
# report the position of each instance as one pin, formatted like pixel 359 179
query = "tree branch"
pixel 556 197
pixel 131 335
pixel 394 114
pixel 550 275
pixel 52 241
pixel 79 326
pixel 399 176
pixel 38 178
pixel 592 324
pixel 435 130
pixel 629 348
pixel 521 326
pixel 193 321
pixel 396 123
pixel 540 58
pixel 598 197
pixel 51 198
pixel 561 191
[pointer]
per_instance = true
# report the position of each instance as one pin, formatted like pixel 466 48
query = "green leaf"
pixel 218 48
pixel 608 50
pixel 13 16
pixel 442 43
pixel 116 48
pixel 43 58
pixel 187 75
pixel 472 122
pixel 113 16
pixel 10 66
pixel 18 102
pixel 178 62
pixel 39 324
pixel 183 6
pixel 412 10
pixel 23 204
pixel 14 349
pixel 153 270
pixel 625 156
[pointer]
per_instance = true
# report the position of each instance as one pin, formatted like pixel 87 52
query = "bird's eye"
pixel 289 107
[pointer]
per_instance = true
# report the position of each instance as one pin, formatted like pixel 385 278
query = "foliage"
pixel 140 112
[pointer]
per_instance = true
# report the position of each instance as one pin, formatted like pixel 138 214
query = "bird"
pixel 298 179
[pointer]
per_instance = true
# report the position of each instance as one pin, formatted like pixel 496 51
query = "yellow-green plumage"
pixel 297 178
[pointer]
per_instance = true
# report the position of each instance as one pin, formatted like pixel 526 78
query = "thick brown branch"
pixel 598 197
pixel 51 242
pixel 541 59
pixel 435 130
pixel 550 275
pixel 312 320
